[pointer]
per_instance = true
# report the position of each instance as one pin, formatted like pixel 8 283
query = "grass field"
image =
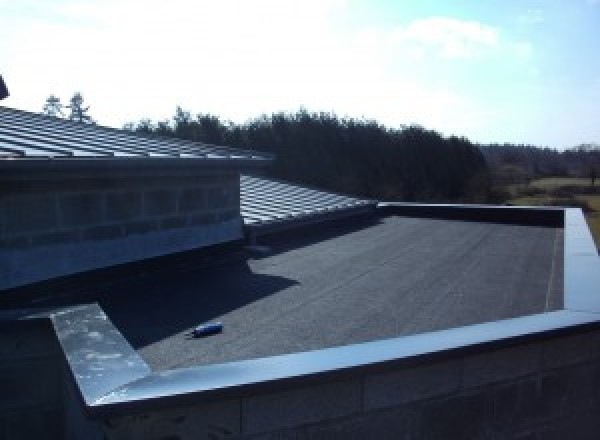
pixel 560 191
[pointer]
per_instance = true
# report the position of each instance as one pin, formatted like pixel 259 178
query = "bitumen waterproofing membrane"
pixel 341 284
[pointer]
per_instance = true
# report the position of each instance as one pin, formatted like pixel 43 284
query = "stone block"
pixel 203 218
pixel 52 238
pixel 82 209
pixel 29 213
pixel 458 417
pixel 140 227
pixel 176 221
pixel 35 423
pixel 160 202
pixel 566 350
pixel 263 413
pixel 192 199
pixel 103 232
pixel 29 384
pixel 392 424
pixel 410 384
pixel 218 420
pixel 228 214
pixel 571 390
pixel 521 403
pixel 218 197
pixel 582 426
pixel 502 364
pixel 123 206
pixel 28 343
pixel 19 242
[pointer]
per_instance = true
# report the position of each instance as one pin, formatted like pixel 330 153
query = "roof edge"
pixel 18 169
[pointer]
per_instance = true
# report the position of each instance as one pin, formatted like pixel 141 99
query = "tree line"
pixel 365 158
pixel 347 155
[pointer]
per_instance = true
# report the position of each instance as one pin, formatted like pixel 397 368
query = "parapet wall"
pixel 50 228
pixel 548 389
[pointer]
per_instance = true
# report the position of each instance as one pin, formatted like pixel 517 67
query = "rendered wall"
pixel 50 228
pixel 548 389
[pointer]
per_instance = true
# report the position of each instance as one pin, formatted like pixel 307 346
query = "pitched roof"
pixel 267 203
pixel 25 135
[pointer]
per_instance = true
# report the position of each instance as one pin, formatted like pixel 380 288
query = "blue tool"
pixel 207 329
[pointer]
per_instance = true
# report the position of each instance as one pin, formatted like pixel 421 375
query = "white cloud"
pixel 523 49
pixel 531 16
pixel 449 37
pixel 134 59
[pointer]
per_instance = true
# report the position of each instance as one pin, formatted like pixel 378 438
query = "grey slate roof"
pixel 34 136
pixel 268 203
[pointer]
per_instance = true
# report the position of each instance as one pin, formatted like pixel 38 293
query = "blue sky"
pixel 523 71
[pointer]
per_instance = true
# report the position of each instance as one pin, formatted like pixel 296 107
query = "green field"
pixel 562 191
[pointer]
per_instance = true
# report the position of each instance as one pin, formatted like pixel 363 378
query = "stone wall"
pixel 52 228
pixel 531 391
pixel 31 382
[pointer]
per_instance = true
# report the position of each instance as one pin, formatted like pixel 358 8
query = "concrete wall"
pixel 31 383
pixel 534 391
pixel 52 228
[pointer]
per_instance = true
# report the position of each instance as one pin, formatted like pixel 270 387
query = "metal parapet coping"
pixel 113 379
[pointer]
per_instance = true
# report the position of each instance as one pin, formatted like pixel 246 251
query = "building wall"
pixel 31 382
pixel 541 390
pixel 50 228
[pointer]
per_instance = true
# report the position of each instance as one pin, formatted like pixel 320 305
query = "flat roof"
pixel 358 281
pixel 31 136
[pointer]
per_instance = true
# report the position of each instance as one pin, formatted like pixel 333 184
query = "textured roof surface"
pixel 345 283
pixel 31 136
pixel 266 202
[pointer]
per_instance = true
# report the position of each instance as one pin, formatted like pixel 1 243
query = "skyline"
pixel 496 71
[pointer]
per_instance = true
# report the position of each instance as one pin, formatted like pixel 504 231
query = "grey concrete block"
pixel 410 384
pixel 29 213
pixel 160 202
pixel 82 209
pixel 503 364
pixel 567 350
pixel 28 343
pixel 176 221
pixel 217 197
pixel 36 423
pixel 53 238
pixel 228 214
pixel 192 199
pixel 572 390
pixel 20 242
pixel 33 264
pixel 140 227
pixel 212 421
pixel 393 424
pixel 203 218
pixel 521 403
pixel 263 413
pixel 459 417
pixel 102 232
pixel 123 206
pixel 582 426
pixel 29 384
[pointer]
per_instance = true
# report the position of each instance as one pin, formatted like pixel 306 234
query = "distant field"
pixel 562 191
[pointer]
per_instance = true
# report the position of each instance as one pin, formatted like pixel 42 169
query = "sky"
pixel 520 71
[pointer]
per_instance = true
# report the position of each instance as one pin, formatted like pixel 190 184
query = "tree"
pixel 78 111
pixel 53 107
